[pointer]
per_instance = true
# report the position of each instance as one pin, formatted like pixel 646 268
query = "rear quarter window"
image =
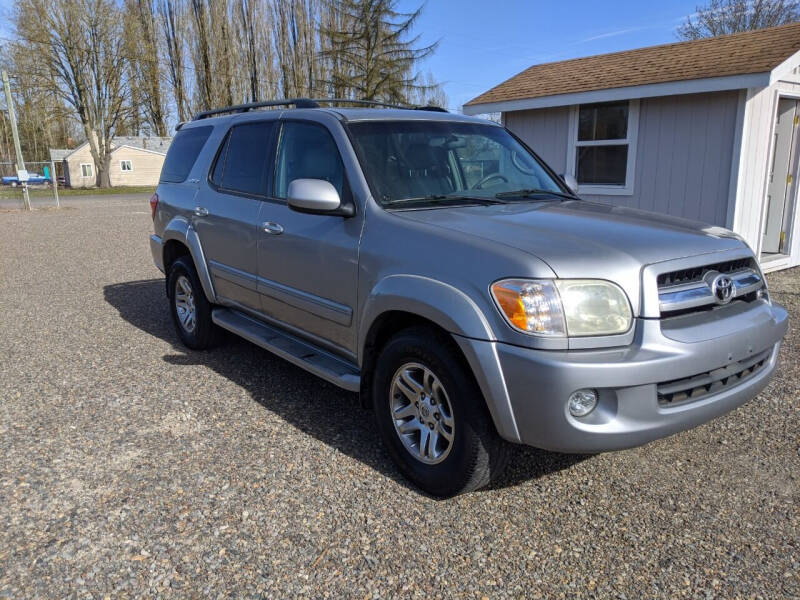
pixel 183 153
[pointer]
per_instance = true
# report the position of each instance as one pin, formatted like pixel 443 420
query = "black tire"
pixel 477 454
pixel 204 334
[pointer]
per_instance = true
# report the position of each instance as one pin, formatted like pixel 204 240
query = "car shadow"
pixel 306 402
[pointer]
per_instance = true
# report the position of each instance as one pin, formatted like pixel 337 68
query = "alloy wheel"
pixel 184 304
pixel 421 413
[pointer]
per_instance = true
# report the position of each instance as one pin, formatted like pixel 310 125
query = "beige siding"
pixel 146 167
pixel 73 163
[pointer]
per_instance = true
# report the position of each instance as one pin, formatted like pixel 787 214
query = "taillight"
pixel 154 205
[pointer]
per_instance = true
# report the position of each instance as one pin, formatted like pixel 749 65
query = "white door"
pixel 782 176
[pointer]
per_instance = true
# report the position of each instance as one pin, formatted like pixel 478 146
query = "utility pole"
pixel 12 117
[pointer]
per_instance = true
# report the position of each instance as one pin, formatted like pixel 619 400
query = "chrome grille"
pixel 689 389
pixel 695 274
pixel 689 290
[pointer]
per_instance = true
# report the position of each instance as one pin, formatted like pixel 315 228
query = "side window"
pixel 222 156
pixel 307 151
pixel 241 164
pixel 183 153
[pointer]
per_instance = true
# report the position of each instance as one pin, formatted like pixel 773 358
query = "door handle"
pixel 273 228
pixel 200 211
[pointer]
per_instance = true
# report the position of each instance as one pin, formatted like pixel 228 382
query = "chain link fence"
pixel 42 185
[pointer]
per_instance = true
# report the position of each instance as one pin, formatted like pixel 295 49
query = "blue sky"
pixel 485 42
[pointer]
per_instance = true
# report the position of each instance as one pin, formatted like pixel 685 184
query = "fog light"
pixel 582 402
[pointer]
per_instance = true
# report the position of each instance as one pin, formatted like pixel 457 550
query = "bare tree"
pixel 81 44
pixel 294 36
pixel 722 17
pixel 143 50
pixel 120 67
pixel 172 17
pixel 201 52
pixel 247 38
pixel 44 121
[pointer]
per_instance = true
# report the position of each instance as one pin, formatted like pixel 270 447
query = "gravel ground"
pixel 130 466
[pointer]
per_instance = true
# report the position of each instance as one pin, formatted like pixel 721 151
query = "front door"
pixel 308 264
pixel 227 213
pixel 782 176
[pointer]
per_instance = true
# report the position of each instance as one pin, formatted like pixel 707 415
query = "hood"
pixel 580 239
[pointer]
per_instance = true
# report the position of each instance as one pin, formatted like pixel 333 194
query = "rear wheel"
pixel 432 416
pixel 191 310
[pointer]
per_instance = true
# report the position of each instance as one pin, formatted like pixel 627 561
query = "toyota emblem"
pixel 722 288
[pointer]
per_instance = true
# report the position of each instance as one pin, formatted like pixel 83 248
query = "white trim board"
pixel 734 182
pixel 785 68
pixel 651 90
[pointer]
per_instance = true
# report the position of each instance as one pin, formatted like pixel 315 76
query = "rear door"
pixel 308 264
pixel 226 215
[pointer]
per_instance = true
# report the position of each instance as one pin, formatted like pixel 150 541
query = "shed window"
pixel 125 165
pixel 603 146
pixel 87 170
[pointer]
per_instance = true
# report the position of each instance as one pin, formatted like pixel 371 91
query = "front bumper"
pixel 157 250
pixel 537 383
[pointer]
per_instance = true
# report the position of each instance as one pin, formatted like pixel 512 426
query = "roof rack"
pixel 304 103
pixel 239 108
pixel 376 103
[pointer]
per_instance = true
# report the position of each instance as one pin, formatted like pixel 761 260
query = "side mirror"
pixel 571 182
pixel 314 196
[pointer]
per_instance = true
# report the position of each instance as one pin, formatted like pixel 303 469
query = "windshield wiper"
pixel 438 198
pixel 528 192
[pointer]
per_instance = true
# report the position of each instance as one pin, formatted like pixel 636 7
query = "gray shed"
pixel 706 130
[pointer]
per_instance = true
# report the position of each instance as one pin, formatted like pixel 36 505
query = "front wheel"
pixel 432 416
pixel 191 310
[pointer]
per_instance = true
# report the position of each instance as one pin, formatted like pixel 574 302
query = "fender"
pixel 181 230
pixel 457 313
pixel 434 300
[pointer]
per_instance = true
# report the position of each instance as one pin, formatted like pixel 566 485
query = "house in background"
pixel 135 161
pixel 706 130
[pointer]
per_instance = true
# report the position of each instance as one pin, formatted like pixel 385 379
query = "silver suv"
pixel 434 264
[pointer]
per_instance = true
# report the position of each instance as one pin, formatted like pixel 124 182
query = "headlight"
pixel 532 306
pixel 561 307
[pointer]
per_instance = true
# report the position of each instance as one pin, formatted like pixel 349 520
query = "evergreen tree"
pixel 371 52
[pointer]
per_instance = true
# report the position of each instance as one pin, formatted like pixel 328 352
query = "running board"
pixel 304 355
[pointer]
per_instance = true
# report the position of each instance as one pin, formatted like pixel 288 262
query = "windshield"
pixel 436 162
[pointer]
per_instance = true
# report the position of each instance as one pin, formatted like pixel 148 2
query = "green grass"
pixel 9 193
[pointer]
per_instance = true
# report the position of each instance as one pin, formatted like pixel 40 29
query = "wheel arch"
pixel 401 302
pixel 180 239
pixel 439 303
